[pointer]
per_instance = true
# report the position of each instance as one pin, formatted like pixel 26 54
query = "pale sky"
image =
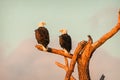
pixel 19 19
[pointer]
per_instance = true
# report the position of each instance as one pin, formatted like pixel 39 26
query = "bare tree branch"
pixel 66 62
pixel 108 35
pixel 55 51
pixel 61 65
pixel 65 67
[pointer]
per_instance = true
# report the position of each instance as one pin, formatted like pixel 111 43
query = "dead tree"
pixel 82 54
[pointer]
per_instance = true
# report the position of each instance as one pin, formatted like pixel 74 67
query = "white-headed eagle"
pixel 42 35
pixel 65 41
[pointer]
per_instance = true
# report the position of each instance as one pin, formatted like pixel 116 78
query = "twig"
pixel 65 67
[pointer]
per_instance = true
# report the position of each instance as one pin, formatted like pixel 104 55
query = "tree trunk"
pixel 83 70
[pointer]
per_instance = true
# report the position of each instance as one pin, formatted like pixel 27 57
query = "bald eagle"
pixel 65 41
pixel 42 35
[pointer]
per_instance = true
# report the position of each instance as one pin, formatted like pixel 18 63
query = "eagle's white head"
pixel 63 31
pixel 41 24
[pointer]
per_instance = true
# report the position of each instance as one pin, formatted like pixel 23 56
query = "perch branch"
pixel 55 51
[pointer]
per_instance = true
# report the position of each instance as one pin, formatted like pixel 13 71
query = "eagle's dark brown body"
pixel 42 36
pixel 65 42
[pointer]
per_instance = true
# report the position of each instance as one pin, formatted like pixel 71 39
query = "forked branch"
pixel 65 67
pixel 55 51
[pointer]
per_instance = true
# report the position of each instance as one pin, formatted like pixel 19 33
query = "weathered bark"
pixel 82 54
pixel 74 58
pixel 83 61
